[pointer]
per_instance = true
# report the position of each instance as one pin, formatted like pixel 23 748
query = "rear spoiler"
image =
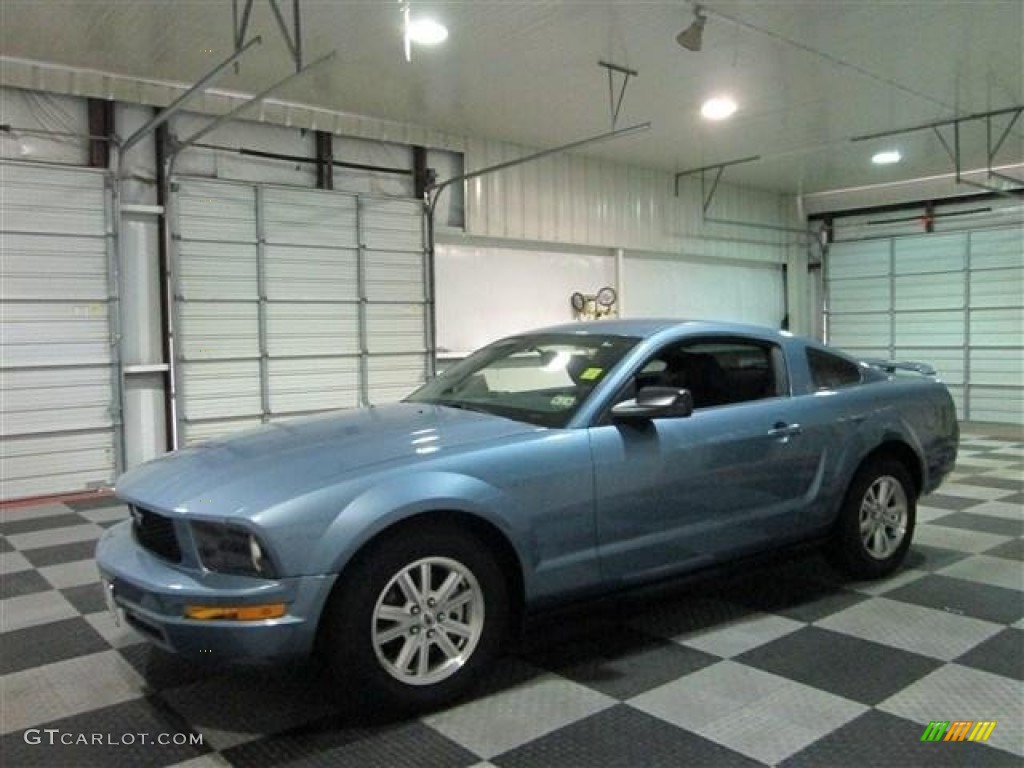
pixel 892 366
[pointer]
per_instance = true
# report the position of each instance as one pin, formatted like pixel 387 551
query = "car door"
pixel 677 493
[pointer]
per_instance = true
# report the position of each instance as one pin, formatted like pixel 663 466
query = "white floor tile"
pixel 959 539
pixel 741 635
pixel 55 536
pixel 996 571
pixel 35 609
pixel 71 574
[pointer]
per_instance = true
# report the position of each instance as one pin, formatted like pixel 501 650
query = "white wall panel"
pixel 861 294
pixel 393 377
pixel 484 293
pixel 928 329
pixel 997 248
pixel 869 258
pixel 302 329
pixel 585 201
pixel 218 331
pixel 659 287
pixel 395 328
pixel 994 288
pixel 313 384
pixel 935 253
pixel 944 290
pixel 861 332
pixel 299 273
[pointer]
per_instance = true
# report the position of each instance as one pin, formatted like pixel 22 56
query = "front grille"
pixel 156 533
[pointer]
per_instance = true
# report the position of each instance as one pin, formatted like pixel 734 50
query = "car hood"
pixel 251 471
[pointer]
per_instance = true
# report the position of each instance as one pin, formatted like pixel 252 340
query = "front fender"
pixel 387 503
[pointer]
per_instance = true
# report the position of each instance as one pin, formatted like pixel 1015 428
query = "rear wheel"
pixel 416 619
pixel 876 522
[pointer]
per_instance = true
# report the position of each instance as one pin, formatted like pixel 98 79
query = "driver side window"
pixel 716 372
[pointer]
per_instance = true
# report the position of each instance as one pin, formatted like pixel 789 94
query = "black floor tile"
pixel 22 583
pixel 792 596
pixel 162 670
pixel 620 737
pixel 963 598
pixel 952 503
pixel 846 666
pixel 621 663
pixel 969 521
pixel 924 558
pixel 334 743
pixel 1011 550
pixel 5 545
pixel 14 527
pixel 881 740
pixel 137 733
pixel 87 598
pixel 61 554
pixel 47 643
pixel 1017 498
pixel 1002 654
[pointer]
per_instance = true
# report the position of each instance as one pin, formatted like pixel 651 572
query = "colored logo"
pixel 958 730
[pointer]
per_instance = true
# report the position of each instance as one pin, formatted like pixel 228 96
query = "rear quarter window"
pixel 830 371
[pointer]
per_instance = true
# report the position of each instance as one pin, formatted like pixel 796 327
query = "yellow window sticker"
pixel 591 373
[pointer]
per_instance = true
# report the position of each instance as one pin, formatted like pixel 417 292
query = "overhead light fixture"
pixel 421 30
pixel 692 37
pixel 718 108
pixel 425 31
pixel 886 157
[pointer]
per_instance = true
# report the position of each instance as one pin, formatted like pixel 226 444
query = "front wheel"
pixel 876 522
pixel 416 619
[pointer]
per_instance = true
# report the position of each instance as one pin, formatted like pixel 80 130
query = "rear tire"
pixel 876 521
pixel 417 618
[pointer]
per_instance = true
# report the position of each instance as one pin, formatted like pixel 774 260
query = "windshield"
pixel 541 379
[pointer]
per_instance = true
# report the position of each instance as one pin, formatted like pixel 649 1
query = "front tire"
pixel 417 618
pixel 876 522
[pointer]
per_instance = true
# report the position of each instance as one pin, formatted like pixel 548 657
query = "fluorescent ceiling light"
pixel 718 108
pixel 426 31
pixel 887 157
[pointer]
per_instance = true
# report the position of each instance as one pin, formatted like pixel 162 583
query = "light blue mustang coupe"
pixel 406 541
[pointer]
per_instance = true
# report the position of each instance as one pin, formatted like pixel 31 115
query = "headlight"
pixel 226 549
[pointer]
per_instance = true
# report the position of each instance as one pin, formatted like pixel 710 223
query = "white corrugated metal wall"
pixel 58 362
pixel 293 301
pixel 953 299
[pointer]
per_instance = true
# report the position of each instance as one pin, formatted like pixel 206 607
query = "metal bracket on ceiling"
pixel 614 105
pixel 178 145
pixel 954 151
pixel 292 38
pixel 708 195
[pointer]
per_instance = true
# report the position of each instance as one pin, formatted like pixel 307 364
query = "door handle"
pixel 784 430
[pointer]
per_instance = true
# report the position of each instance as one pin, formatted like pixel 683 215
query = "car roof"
pixel 647 327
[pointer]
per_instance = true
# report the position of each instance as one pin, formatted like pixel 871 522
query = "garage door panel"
pixel 866 294
pixel 869 258
pixel 312 329
pixel 299 273
pixel 221 389
pixel 203 431
pixel 997 327
pixel 395 276
pixel 216 211
pixel 997 248
pixel 303 217
pixel 860 330
pixel 217 271
pixel 1001 405
pixel 313 384
pixel 997 288
pixel 995 367
pixel 212 331
pixel 392 225
pixel 942 291
pixel 57 378
pixel 948 363
pixel 393 378
pixel 935 253
pixel 395 328
pixel 53 268
pixel 928 329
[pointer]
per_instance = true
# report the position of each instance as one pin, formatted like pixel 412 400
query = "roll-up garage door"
pixel 951 299
pixel 292 301
pixel 58 375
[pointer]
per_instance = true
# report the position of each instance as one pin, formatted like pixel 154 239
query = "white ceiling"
pixel 808 74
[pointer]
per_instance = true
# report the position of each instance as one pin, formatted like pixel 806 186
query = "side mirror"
pixel 654 403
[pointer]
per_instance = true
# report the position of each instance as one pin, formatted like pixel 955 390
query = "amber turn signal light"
pixel 235 612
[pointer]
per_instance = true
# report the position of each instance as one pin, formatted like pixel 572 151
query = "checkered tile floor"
pixel 788 665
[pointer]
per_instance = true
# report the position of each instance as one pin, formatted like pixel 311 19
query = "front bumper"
pixel 152 594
